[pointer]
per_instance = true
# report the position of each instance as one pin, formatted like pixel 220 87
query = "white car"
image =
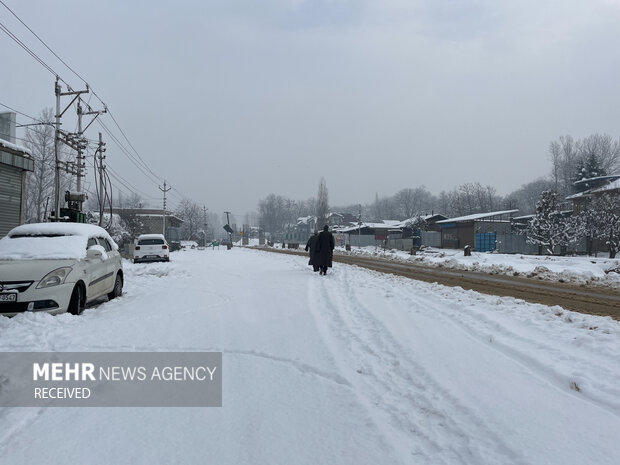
pixel 57 267
pixel 151 248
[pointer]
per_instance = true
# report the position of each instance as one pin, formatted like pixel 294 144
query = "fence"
pixel 363 240
pixel 517 243
pixel 430 238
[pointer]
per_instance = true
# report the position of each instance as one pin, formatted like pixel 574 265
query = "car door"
pixel 110 264
pixel 96 271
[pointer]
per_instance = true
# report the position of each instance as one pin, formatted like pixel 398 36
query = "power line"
pixel 126 152
pixel 136 159
pixel 43 42
pixel 28 50
pixel 127 184
pixel 19 112
pixel 80 77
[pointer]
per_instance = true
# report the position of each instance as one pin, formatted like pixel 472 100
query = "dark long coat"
pixel 324 249
pixel 311 247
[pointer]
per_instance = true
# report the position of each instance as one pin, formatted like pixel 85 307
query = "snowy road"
pixel 355 367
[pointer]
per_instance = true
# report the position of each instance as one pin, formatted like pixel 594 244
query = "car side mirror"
pixel 93 252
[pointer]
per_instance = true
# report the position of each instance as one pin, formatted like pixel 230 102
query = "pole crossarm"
pixel 96 114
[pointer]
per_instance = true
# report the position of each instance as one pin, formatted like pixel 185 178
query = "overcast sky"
pixel 232 100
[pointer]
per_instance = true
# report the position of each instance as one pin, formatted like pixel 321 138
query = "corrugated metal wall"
pixel 430 238
pixel 10 198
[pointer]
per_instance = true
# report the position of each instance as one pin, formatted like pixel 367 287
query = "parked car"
pixel 57 267
pixel 151 248
pixel 188 245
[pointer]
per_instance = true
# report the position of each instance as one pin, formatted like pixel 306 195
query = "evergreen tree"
pixel 593 167
pixel 549 228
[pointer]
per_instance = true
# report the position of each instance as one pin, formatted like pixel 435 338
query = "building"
pixel 365 234
pixel 592 187
pixel 479 230
pixel 15 162
pixel 150 221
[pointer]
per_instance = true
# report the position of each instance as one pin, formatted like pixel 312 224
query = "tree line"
pixel 571 160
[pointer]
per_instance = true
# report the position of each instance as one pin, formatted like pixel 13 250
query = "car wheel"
pixel 76 304
pixel 118 288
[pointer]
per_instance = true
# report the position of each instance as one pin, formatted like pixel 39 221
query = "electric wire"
pixel 139 162
pixel 28 50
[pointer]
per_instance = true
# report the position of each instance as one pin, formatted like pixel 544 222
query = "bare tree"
pixel 322 204
pixel 192 216
pixel 40 182
pixel 471 198
pixel 603 149
pixel 555 156
pixel 410 202
pixel 273 211
pixel 569 157
pixel 525 198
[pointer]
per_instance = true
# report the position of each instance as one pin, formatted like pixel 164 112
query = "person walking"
pixel 324 250
pixel 311 248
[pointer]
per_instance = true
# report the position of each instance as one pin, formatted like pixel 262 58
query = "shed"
pixel 478 230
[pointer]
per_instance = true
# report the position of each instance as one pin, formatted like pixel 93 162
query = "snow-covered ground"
pixel 352 368
pixel 584 270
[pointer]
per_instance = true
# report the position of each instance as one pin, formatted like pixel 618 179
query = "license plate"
pixel 8 297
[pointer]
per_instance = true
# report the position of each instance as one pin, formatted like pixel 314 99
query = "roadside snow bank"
pixel 576 270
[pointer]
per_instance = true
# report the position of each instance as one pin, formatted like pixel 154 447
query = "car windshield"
pixel 150 242
pixel 42 246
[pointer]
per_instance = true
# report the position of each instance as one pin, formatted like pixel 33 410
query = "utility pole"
pixel 164 190
pixel 81 165
pixel 229 229
pixel 71 141
pixel 359 228
pixel 204 211
pixel 101 150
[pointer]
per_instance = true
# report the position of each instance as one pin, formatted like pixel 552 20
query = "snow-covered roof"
pixel 159 215
pixel 33 241
pixel 612 184
pixel 598 178
pixel 578 195
pixel 386 224
pixel 17 148
pixel 405 223
pixel 306 219
pixel 609 187
pixel 477 216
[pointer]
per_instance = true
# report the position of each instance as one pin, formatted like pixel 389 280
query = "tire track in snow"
pixel 20 420
pixel 357 310
pixel 519 349
pixel 400 392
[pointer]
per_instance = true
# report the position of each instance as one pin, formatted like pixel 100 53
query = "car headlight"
pixel 54 278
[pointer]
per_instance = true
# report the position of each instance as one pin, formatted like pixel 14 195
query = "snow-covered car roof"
pixel 61 229
pixel 47 241
pixel 151 236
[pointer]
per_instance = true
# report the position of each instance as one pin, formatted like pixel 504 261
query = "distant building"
pixel 15 162
pixel 151 221
pixel 479 230
pixel 593 187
